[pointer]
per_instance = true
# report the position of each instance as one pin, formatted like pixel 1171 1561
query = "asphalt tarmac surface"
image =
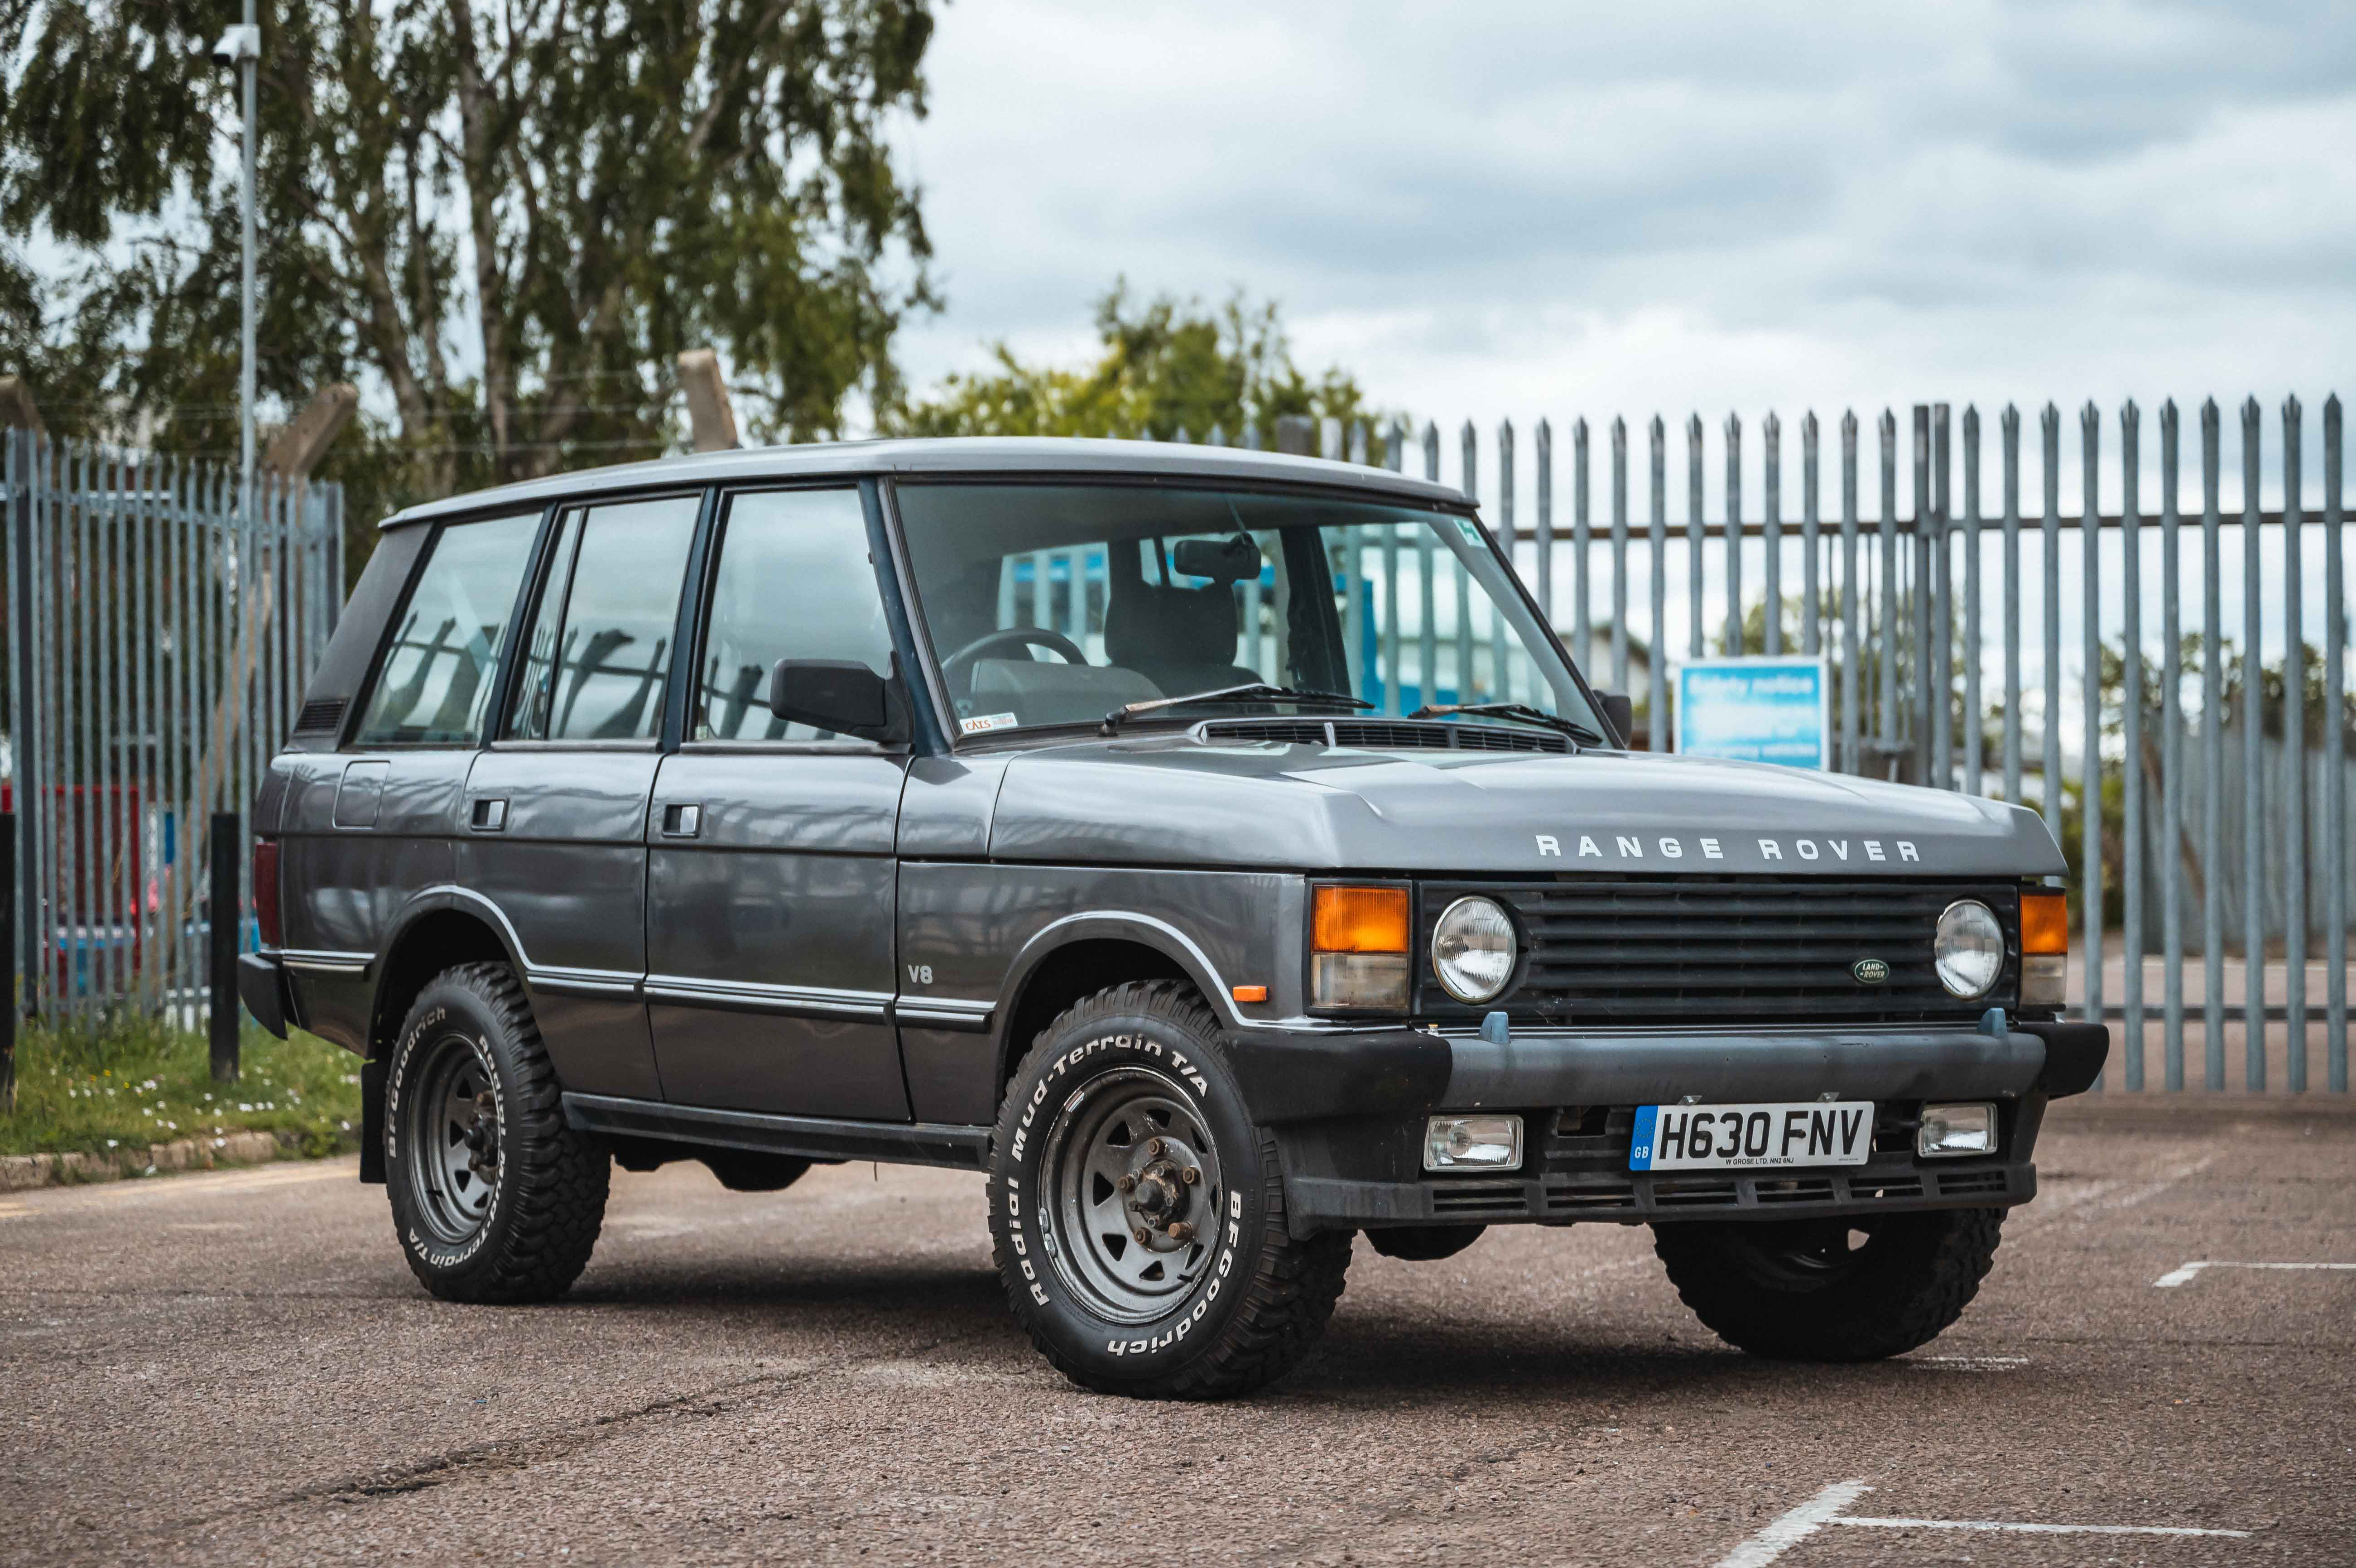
pixel 238 1368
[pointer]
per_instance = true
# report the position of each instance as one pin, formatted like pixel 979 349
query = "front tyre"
pixel 1136 1216
pixel 494 1197
pixel 1831 1290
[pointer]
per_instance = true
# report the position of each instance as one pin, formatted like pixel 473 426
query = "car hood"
pixel 1174 799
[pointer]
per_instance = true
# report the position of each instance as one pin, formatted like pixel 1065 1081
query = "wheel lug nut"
pixel 1182 1232
pixel 1153 1147
pixel 1143 1235
pixel 1127 1183
pixel 1190 1176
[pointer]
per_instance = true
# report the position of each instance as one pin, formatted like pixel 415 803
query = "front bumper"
pixel 1287 1076
pixel 1348 1111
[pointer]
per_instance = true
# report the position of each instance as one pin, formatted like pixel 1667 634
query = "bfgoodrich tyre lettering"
pixel 1138 1216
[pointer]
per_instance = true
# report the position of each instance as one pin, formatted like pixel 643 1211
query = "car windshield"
pixel 1058 604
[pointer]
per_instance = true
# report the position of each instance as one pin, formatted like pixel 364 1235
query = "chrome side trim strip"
pixel 604 983
pixel 945 1013
pixel 326 961
pixel 790 1000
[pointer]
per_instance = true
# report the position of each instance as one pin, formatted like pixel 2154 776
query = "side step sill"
pixel 812 1137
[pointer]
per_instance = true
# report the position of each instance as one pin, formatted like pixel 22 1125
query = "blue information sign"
pixel 1756 710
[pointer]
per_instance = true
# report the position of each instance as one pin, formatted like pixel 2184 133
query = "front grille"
pixel 1689 951
pixel 1374 735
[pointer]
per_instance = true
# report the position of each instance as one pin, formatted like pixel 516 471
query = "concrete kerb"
pixel 20 1172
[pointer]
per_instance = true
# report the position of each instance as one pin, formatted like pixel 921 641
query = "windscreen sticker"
pixel 981 723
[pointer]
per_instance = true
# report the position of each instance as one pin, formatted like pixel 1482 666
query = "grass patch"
pixel 141 1083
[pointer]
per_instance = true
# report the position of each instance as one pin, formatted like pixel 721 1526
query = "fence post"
pixel 226 914
pixel 7 962
pixel 24 452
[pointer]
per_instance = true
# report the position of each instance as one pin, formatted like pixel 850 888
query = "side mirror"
pixel 1620 713
pixel 838 694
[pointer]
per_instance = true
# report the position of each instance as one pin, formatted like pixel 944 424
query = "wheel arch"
pixel 1082 954
pixel 434 934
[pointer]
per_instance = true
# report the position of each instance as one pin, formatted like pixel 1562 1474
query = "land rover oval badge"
pixel 1870 971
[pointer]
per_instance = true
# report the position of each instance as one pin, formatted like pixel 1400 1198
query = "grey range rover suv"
pixel 1216 849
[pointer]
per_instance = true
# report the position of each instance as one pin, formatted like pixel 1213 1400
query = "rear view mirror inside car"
pixel 1221 560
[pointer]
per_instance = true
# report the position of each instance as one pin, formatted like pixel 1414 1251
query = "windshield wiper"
pixel 1578 733
pixel 1258 692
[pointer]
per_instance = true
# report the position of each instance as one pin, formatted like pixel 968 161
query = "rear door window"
pixel 600 639
pixel 795 580
pixel 435 686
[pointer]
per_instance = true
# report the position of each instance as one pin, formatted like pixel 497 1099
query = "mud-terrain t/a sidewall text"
pixel 1242 1306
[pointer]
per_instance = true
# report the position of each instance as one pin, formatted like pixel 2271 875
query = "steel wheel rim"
pixel 451 1128
pixel 1138 1124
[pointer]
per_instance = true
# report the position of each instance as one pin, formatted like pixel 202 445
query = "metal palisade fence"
pixel 2154 654
pixel 2157 658
pixel 160 628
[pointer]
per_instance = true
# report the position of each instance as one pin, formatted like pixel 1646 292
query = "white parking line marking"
pixel 1791 1528
pixel 2185 1274
pixel 1825 1509
pixel 2035 1529
pixel 1967 1363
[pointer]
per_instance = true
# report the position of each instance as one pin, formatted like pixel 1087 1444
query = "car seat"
pixel 1180 639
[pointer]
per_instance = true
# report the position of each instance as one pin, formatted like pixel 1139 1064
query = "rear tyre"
pixel 494 1197
pixel 1136 1216
pixel 1832 1290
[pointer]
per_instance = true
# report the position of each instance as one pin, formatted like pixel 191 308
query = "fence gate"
pixel 160 628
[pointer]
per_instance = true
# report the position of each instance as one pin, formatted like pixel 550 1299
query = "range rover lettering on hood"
pixel 1169 799
pixel 1626 850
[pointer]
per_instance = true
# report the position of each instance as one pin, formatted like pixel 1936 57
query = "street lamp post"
pixel 241 46
pixel 248 68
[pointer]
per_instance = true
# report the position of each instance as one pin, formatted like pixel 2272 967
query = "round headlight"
pixel 1969 948
pixel 1473 949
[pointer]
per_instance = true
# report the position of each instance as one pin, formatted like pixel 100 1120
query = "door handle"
pixel 490 815
pixel 682 821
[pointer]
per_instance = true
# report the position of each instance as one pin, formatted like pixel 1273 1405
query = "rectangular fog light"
pixel 2044 980
pixel 1368 982
pixel 1950 1129
pixel 1473 1142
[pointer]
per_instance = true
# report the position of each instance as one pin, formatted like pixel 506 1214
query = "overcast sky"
pixel 1525 208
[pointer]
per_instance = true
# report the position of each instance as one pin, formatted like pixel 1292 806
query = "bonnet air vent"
pixel 320 716
pixel 1367 734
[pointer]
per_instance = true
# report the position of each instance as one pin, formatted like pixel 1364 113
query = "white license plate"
pixel 1737 1137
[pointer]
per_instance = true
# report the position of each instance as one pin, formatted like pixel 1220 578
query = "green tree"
pixel 502 221
pixel 1167 366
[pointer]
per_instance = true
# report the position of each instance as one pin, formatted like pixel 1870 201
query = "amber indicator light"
pixel 1248 992
pixel 1359 920
pixel 2044 923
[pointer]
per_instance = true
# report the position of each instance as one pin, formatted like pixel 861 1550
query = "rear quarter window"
pixel 433 687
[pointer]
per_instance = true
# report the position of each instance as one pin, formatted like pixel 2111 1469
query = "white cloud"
pixel 1519 209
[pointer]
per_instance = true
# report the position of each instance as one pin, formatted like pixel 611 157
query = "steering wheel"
pixel 958 668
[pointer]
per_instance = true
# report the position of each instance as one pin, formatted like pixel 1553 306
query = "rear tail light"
pixel 266 890
pixel 2044 949
pixel 1358 948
